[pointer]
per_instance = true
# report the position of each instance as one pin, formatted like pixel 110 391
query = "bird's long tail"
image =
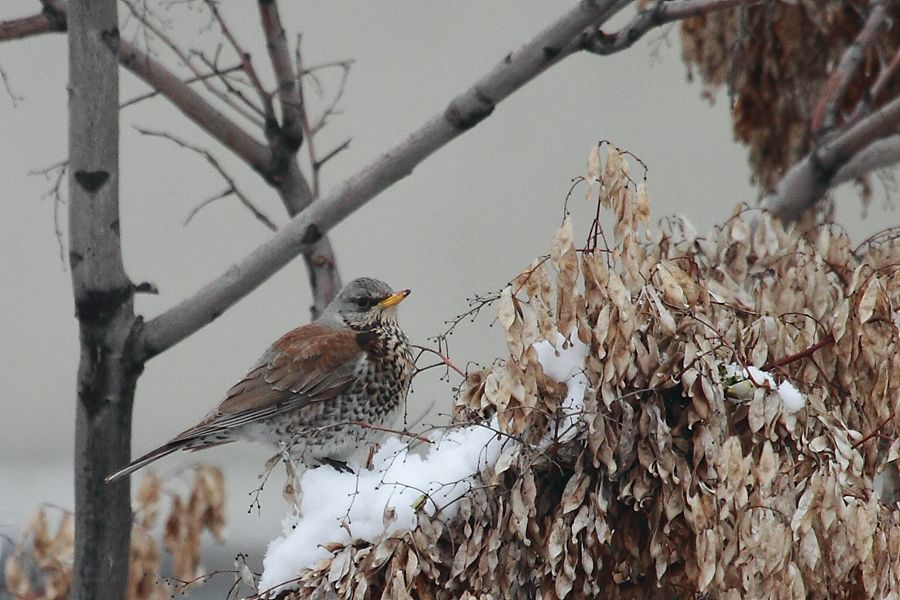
pixel 146 459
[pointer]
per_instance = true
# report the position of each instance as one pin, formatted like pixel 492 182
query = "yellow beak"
pixel 394 299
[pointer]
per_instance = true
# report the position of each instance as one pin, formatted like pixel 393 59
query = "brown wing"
pixel 312 363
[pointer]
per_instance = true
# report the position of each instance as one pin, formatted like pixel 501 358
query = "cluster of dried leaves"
pixel 41 567
pixel 776 57
pixel 672 488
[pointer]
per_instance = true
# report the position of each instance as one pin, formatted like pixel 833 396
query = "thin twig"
pixel 9 91
pixel 444 359
pixel 232 186
pixel 194 79
pixel 331 108
pixel 246 63
pixel 185 58
pixel 231 89
pixel 55 192
pixel 304 117
pixel 344 64
pixel 375 427
pixel 318 164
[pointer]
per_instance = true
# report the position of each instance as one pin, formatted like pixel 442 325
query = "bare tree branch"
pixel 285 140
pixel 877 155
pixel 825 112
pixel 464 112
pixel 154 93
pixel 276 162
pixel 195 107
pixel 246 63
pixel 288 91
pixel 324 277
pixel 661 13
pixel 806 182
pixel 252 112
pixel 46 21
pixel 232 186
pixel 186 59
pixel 888 72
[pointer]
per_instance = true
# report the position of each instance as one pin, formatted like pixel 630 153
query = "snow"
pixel 564 363
pixel 343 507
pixel 791 398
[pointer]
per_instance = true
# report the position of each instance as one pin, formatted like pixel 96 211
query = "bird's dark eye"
pixel 364 302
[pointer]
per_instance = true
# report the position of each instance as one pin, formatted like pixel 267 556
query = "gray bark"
pixel 103 305
pixel 548 47
pixel 808 180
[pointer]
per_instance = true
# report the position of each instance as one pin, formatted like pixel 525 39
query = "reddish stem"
pixel 828 339
pixel 874 431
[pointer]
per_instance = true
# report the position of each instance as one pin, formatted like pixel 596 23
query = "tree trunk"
pixel 103 305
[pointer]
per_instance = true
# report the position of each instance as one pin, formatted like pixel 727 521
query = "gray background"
pixel 466 221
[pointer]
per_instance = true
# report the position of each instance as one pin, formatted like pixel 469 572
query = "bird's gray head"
pixel 362 303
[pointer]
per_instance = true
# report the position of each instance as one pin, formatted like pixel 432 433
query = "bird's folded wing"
pixel 310 364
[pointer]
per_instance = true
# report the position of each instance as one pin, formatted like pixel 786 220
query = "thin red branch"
pixel 444 359
pixel 827 340
pixel 874 432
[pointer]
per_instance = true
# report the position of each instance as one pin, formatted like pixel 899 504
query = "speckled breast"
pixel 376 398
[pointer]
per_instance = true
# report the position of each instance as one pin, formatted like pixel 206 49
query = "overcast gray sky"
pixel 466 221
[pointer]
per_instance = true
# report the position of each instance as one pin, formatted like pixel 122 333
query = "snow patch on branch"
pixel 564 363
pixel 343 507
pixel 339 508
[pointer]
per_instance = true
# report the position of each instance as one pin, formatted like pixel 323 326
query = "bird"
pixel 324 392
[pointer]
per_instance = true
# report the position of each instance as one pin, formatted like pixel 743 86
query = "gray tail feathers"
pixel 145 460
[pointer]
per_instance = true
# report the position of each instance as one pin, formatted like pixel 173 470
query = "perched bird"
pixel 310 390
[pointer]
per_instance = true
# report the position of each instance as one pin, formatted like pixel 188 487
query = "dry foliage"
pixel 41 567
pixel 681 482
pixel 776 58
